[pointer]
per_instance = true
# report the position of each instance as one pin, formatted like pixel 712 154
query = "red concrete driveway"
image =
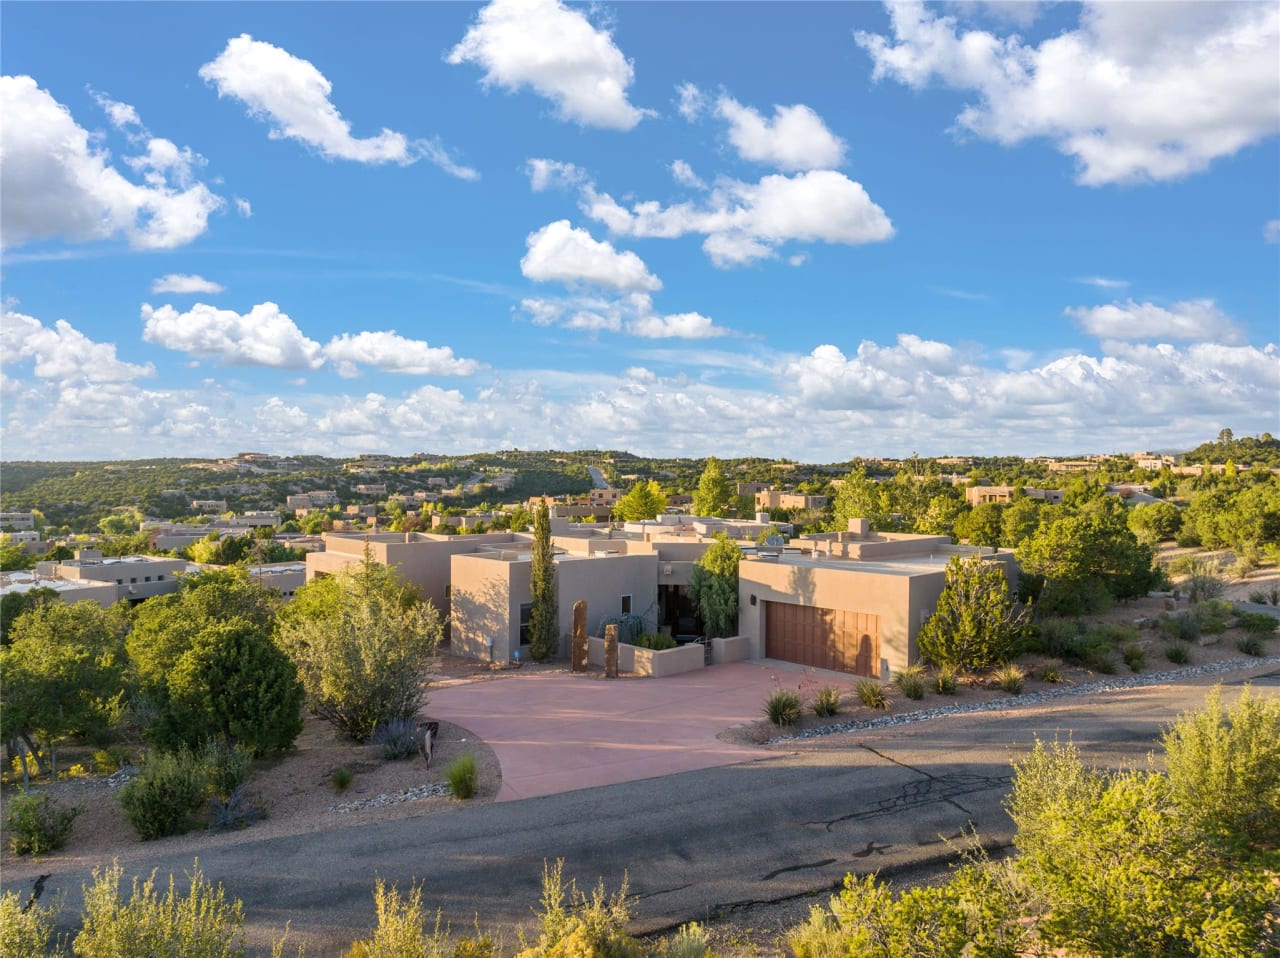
pixel 556 732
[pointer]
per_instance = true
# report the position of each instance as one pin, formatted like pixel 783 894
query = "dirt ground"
pixel 296 793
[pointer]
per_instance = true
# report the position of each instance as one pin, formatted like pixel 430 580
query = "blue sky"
pixel 809 230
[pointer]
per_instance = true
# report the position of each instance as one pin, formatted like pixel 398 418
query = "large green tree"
pixel 713 587
pixel 1084 555
pixel 860 497
pixel 362 640
pixel 644 500
pixel 544 617
pixel 976 624
pixel 714 493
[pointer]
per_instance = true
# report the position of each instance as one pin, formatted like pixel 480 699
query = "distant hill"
pixel 1260 450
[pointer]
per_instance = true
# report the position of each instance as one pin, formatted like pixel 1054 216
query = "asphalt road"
pixel 696 845
pixel 598 481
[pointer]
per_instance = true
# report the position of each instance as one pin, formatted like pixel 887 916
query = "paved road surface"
pixel 695 845
pixel 598 481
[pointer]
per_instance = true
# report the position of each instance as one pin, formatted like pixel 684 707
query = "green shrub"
pixel 1212 615
pixel 873 695
pixel 106 761
pixel 1257 623
pixel 1179 653
pixel 1116 634
pixel 1052 674
pixel 910 681
pixel 655 641
pixel 1182 627
pixel 340 778
pixel 689 942
pixel 233 812
pixel 38 824
pixel 1009 678
pixel 1056 634
pixel 401 929
pixel 461 774
pixel 826 702
pixel 1251 645
pixel 26 929
pixel 200 924
pixel 783 707
pixel 945 679
pixel 1134 656
pixel 1201 586
pixel 226 769
pixel 575 926
pixel 162 799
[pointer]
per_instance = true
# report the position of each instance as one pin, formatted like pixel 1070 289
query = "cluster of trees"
pixel 220 659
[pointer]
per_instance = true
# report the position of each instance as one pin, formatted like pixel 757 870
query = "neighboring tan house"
pixel 788 500
pixel 132 577
pixel 69 591
pixel 977 495
pixel 849 601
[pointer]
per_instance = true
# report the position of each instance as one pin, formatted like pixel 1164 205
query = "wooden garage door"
pixel 823 638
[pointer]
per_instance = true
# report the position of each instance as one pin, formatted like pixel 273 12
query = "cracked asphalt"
pixel 698 845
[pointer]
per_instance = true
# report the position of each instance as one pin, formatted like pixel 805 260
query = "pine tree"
pixel 976 624
pixel 544 620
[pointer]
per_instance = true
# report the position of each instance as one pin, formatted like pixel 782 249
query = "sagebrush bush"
pixel 826 702
pixel 1212 615
pixel 1182 627
pixel 872 694
pixel 1056 634
pixel 1009 678
pixel 783 707
pixel 575 926
pixel 1134 656
pixel 398 738
pixel 38 824
pixel 26 929
pixel 226 769
pixel 1200 586
pixel 945 679
pixel 162 799
pixel 461 774
pixel 1179 653
pixel 910 681
pixel 199 924
pixel 689 942
pixel 1257 623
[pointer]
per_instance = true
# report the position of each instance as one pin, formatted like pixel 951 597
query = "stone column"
pixel 610 651
pixel 580 636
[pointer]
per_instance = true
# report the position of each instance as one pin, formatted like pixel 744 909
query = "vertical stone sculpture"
pixel 580 636
pixel 610 651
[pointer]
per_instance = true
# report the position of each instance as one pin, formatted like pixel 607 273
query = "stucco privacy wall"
pixel 488 591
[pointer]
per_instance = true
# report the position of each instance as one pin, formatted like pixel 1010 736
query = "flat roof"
pixel 904 565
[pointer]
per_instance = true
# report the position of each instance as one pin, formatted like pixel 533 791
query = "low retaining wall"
pixel 734 649
pixel 632 658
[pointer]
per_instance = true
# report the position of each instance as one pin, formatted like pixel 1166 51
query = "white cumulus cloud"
pixel 184 283
pixel 744 222
pixel 556 51
pixel 56 182
pixel 264 336
pixel 683 174
pixel 563 253
pixel 632 314
pixel 1196 319
pixel 62 353
pixel 1271 231
pixel 794 139
pixel 690 101
pixel 292 95
pixel 1137 92
pixel 676 326
pixel 389 352
pixel 547 174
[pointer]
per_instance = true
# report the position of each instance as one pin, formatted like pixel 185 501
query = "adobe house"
pixel 850 601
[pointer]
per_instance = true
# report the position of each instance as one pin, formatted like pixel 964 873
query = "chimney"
pixel 860 527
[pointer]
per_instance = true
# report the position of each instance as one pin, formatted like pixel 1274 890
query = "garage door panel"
pixel 837 639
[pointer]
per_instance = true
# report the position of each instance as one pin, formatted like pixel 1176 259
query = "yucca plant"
pixel 873 694
pixel 1009 678
pixel 783 707
pixel 826 702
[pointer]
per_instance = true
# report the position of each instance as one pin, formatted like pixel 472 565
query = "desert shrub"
pixel 226 769
pixel 1251 645
pixel 976 622
pixel 1257 623
pixel 161 800
pixel 200 924
pixel 574 925
pixel 461 774
pixel 1212 615
pixel 398 738
pixel 37 824
pixel 340 778
pixel 1134 656
pixel 1182 627
pixel 26 929
pixel 1009 678
pixel 401 928
pixel 1055 634
pixel 1051 673
pixel 1224 769
pixel 910 681
pixel 1115 633
pixel 654 640
pixel 783 707
pixel 872 694
pixel 106 761
pixel 945 679
pixel 826 702
pixel 1179 653
pixel 689 942
pixel 234 812
pixel 1200 586
pixel 1258 597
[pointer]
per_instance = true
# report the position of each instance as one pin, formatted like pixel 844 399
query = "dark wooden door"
pixel 834 639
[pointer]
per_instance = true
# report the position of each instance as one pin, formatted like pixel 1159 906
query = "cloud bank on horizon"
pixel 813 232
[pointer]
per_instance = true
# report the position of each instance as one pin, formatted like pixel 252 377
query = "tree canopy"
pixel 713 587
pixel 714 493
pixel 976 624
pixel 643 501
